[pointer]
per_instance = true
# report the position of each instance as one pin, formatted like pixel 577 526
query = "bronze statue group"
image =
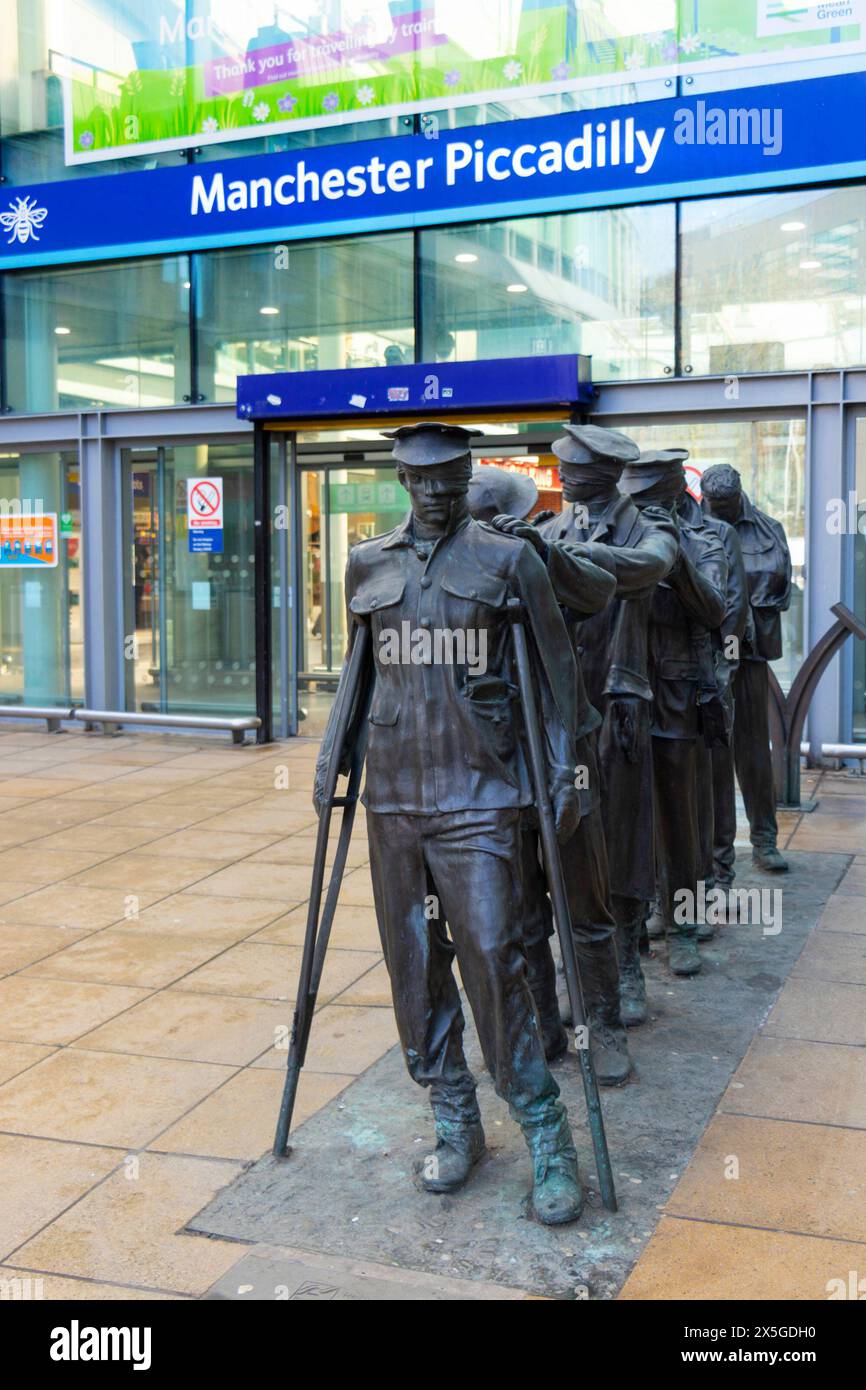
pixel 650 620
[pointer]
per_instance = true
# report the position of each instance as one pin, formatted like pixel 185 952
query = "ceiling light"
pixel 810 265
pixel 466 257
pixel 61 331
pixel 186 284
pixel 516 289
pixel 793 227
pixel 268 309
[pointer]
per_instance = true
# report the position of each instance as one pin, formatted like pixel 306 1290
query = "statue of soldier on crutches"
pixel 456 753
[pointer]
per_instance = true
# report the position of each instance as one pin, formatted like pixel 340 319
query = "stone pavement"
pixel 151 915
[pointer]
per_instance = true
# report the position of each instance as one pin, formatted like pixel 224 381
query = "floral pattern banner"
pixel 238 69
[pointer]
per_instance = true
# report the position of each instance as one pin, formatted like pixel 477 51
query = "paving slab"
pixel 350 1190
pixel 296 1276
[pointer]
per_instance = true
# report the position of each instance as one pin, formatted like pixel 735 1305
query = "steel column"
pixel 262 519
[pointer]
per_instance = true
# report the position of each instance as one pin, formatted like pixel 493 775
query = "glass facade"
pixel 774 282
pixel 41 630
pixel 767 283
pixel 97 335
pixel 770 456
pixel 346 302
pixel 570 282
pixel 760 283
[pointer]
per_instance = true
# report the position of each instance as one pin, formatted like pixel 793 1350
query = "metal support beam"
pixel 102 549
pixel 262 519
pixel 825 551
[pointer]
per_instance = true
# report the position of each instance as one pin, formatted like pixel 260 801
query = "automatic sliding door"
pixel 339 506
pixel 191 609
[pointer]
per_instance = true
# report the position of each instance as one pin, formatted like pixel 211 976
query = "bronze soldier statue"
pixel 687 604
pixel 767 560
pixel 583 588
pixel 638 548
pixel 493 491
pixel 447 786
pixel 726 642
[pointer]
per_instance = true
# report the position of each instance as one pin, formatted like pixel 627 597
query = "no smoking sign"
pixel 204 514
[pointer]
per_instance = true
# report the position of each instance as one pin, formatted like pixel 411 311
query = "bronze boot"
pixel 684 958
pixel 608 1044
pixel 459 1136
pixel 556 1194
pixel 541 977
pixel 632 986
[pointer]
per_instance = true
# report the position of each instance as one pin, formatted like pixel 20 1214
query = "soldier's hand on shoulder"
pixel 566 809
pixel 523 530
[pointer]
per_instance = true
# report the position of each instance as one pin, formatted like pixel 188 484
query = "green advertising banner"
pixel 160 76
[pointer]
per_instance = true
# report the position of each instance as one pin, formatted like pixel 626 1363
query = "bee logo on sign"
pixel 204 513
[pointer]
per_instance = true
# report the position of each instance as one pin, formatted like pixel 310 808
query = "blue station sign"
pixel 753 137
pixel 561 381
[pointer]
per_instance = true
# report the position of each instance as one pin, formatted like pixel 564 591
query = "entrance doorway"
pixel 189 613
pixel 347 491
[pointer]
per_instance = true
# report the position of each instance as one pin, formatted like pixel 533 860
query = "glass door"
pixel 41 636
pixel 190 596
pixel 340 504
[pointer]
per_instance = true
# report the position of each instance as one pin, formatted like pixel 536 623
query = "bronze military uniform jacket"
pixel 691 599
pixel 737 621
pixel 443 735
pixel 767 560
pixel 638 549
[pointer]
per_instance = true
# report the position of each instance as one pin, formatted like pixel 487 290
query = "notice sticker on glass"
pixel 201 594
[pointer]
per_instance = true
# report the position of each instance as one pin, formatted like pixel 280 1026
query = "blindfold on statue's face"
pixel 663 491
pixel 726 508
pixel 583 481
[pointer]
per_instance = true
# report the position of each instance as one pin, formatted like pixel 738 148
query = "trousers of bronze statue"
pixel 584 868
pixel 724 814
pixel 626 773
pixel 462 868
pixel 706 810
pixel 678 851
pixel 752 757
pixel 584 864
pixel 754 769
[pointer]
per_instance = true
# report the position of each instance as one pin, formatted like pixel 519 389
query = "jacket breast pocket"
pixel 476 588
pixel 376 593
pixel 490 701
